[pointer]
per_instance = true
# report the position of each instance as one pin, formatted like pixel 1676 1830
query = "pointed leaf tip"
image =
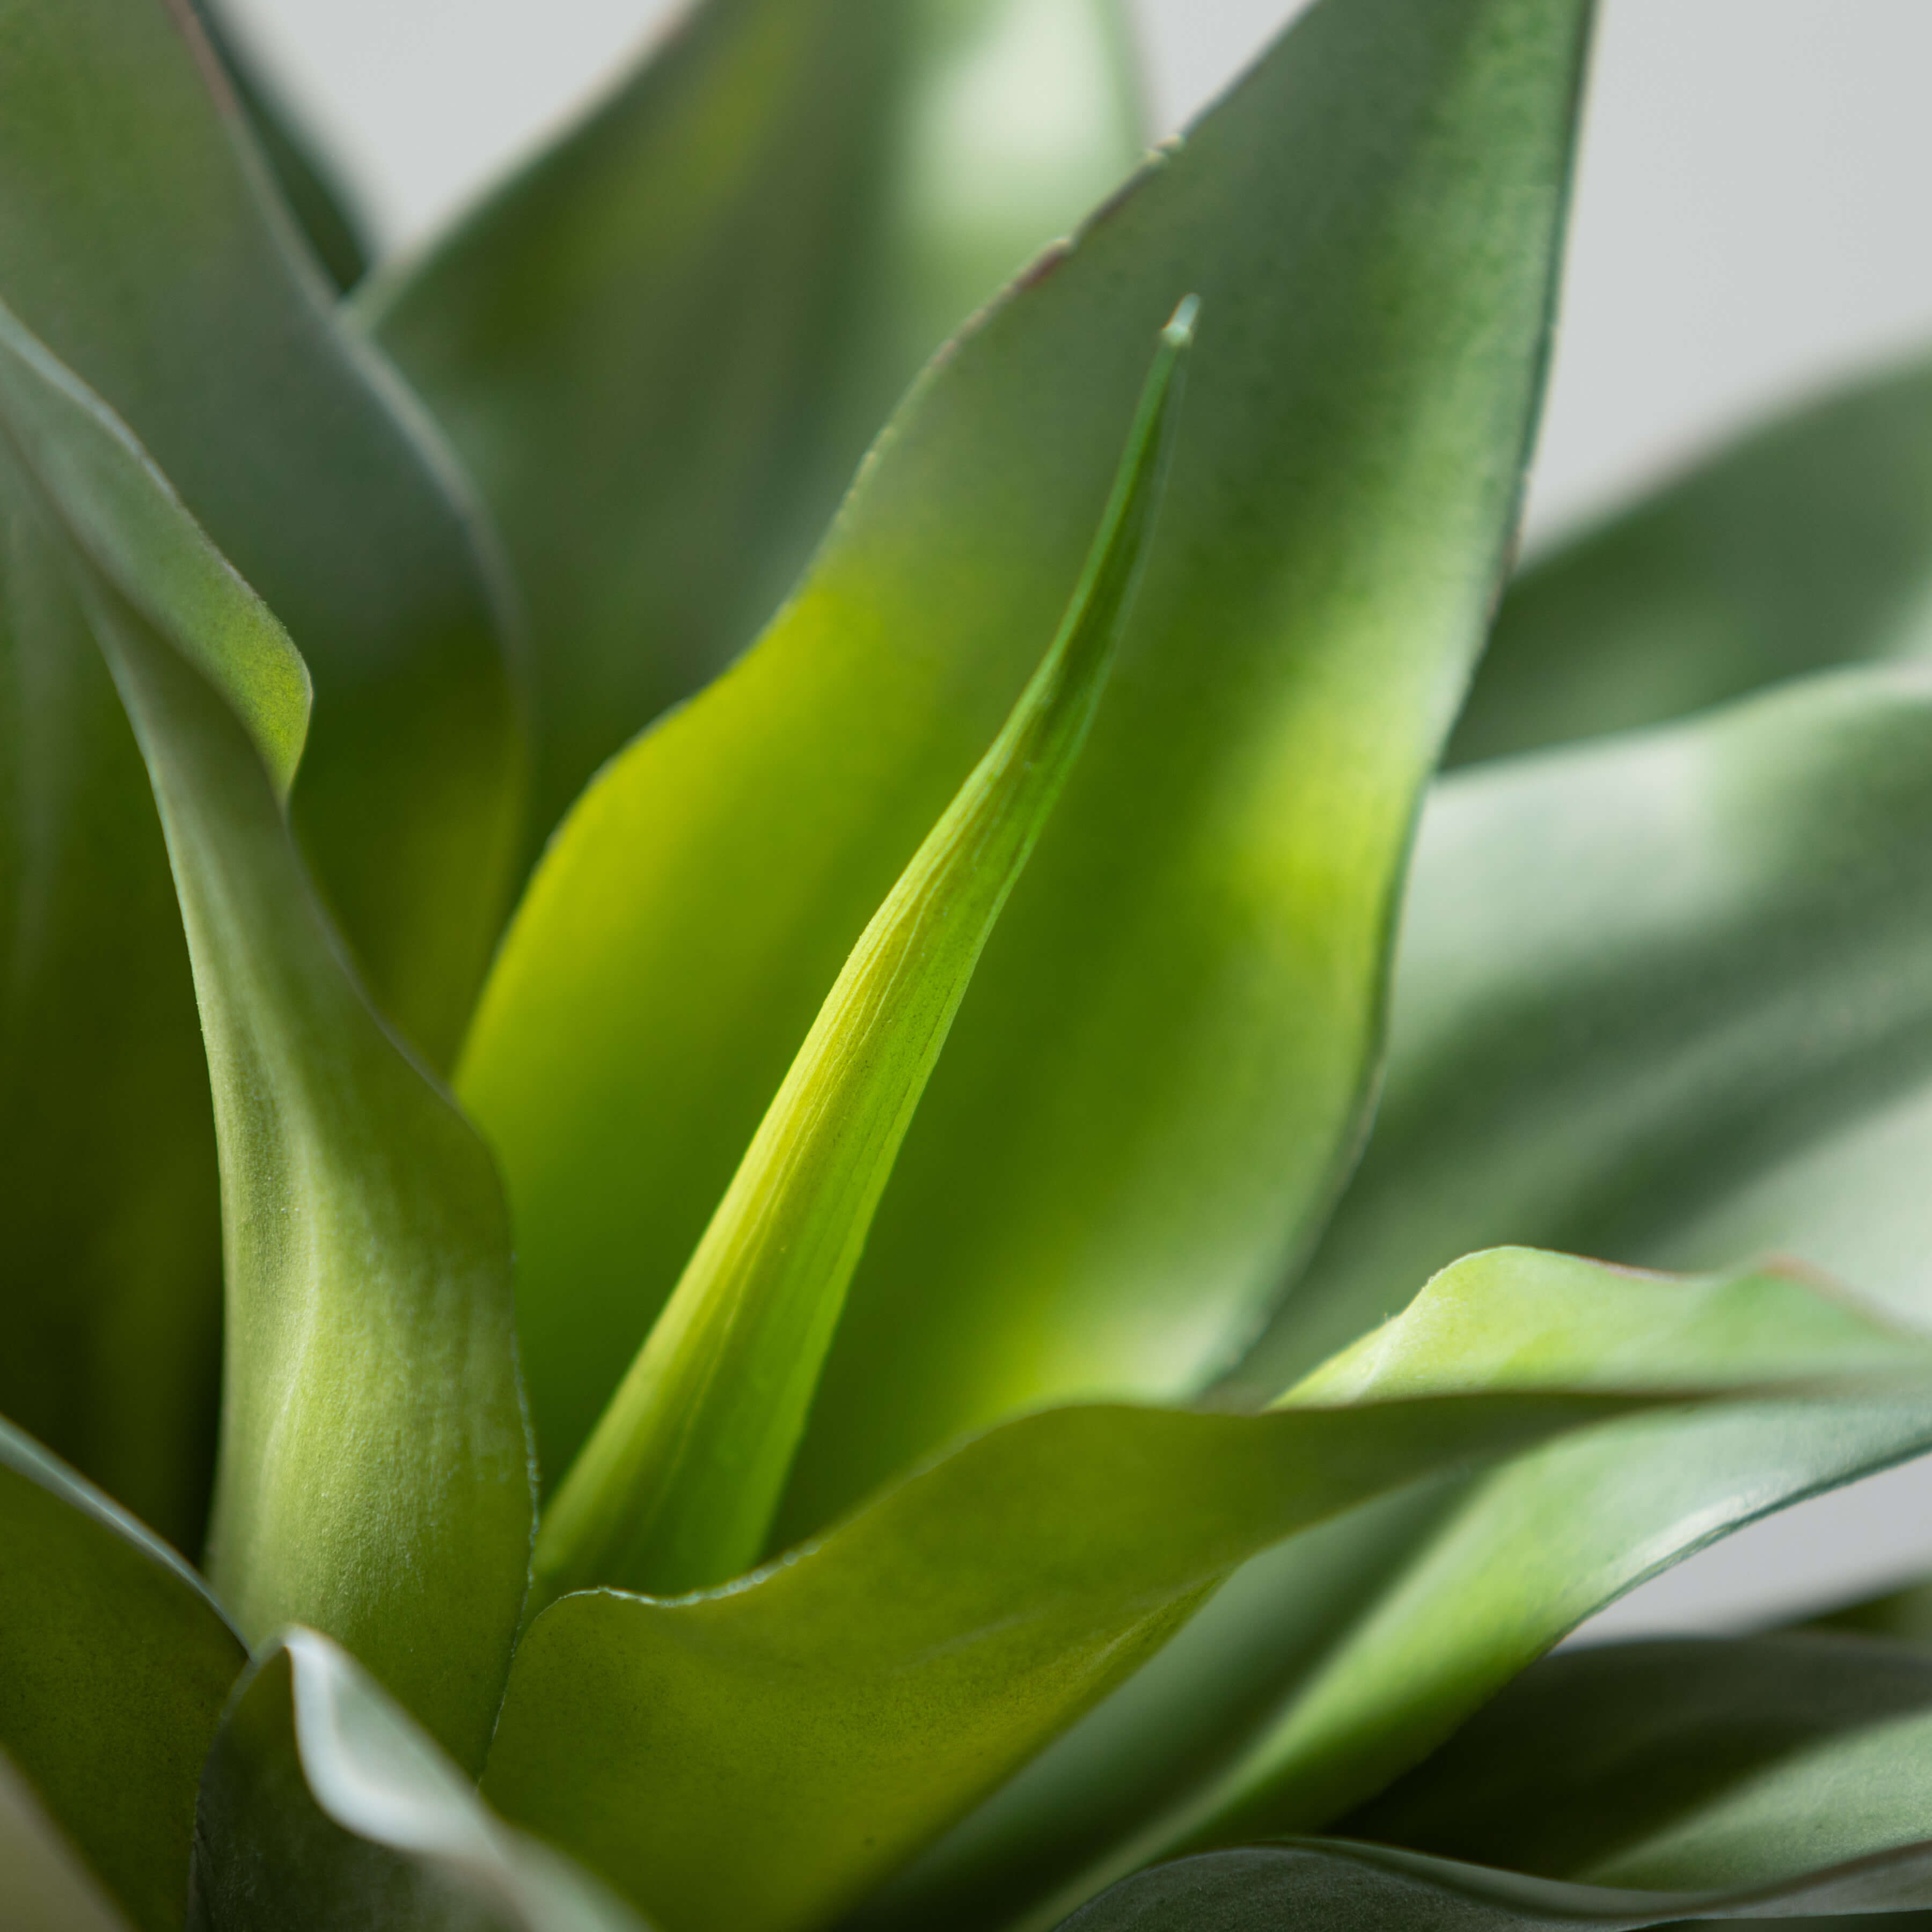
pixel 677 1487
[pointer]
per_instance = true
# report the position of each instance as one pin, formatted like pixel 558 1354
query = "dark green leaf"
pixel 374 1475
pixel 1164 1053
pixel 1680 1766
pixel 1906 1614
pixel 663 349
pixel 324 1809
pixel 844 1706
pixel 1807 544
pixel 314 197
pixel 117 1663
pixel 676 1488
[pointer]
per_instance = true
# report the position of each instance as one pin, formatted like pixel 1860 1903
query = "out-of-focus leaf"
pixel 677 1487
pixel 137 236
pixel 1354 1887
pixel 117 1663
pixel 156 266
pixel 1905 1614
pixel 844 1706
pixel 1632 975
pixel 314 195
pixel 662 350
pixel 374 1475
pixel 1682 1765
pixel 325 1809
pixel 1852 1201
pixel 48 1887
pixel 1165 1055
pixel 1809 544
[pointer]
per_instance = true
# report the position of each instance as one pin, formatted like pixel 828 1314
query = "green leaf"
pixel 117 1663
pixel 1352 1888
pixel 1164 1056
pixel 49 1890
pixel 1632 975
pixel 844 1706
pixel 1326 1670
pixel 1808 543
pixel 662 350
pixel 677 1486
pixel 137 237
pixel 324 1809
pixel 1682 1765
pixel 1905 1614
pixel 374 1474
pixel 312 194
pixel 142 243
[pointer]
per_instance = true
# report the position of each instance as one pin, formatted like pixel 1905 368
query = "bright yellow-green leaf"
pixel 677 1487
pixel 662 348
pixel 1165 1055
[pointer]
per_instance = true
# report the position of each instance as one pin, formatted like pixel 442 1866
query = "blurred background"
pixel 1750 224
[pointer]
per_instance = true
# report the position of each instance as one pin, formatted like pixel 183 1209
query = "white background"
pixel 1750 222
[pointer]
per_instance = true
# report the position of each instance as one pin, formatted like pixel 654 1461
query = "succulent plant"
pixel 707 1136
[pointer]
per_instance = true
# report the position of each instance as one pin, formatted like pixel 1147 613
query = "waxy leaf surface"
pixel 662 348
pixel 325 1809
pixel 374 1471
pixel 1332 1665
pixel 677 1487
pixel 1164 1057
pixel 138 238
pixel 844 1706
pixel 1806 544
pixel 1634 976
pixel 1681 1765
pixel 159 268
pixel 117 1663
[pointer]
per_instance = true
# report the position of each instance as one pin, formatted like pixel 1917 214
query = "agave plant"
pixel 742 1243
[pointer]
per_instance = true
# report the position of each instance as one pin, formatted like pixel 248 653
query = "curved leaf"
pixel 1423 1611
pixel 374 1475
pixel 1681 1765
pixel 117 1663
pixel 1806 545
pixel 677 1486
pixel 312 194
pixel 136 236
pixel 841 1707
pixel 324 1809
pixel 662 350
pixel 1632 975
pixel 1164 1053
pixel 1345 1886
pixel 139 243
